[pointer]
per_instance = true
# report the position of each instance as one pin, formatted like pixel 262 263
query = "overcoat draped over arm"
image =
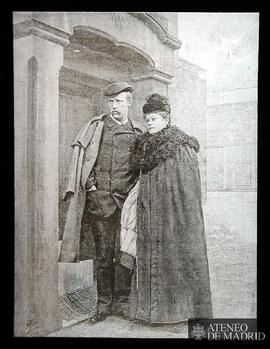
pixel 75 191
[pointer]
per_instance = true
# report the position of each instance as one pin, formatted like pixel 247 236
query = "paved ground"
pixel 115 327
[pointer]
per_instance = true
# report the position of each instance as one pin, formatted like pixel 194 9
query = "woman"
pixel 171 259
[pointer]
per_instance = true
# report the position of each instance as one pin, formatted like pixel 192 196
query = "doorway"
pixel 83 77
pixel 91 61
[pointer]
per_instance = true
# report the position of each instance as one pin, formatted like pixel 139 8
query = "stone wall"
pixel 231 146
pixel 188 98
pixel 230 212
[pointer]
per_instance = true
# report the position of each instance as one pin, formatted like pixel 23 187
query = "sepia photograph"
pixel 135 164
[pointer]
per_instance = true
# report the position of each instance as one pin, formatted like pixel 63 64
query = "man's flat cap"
pixel 117 87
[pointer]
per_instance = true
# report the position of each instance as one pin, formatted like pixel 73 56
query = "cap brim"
pixel 113 93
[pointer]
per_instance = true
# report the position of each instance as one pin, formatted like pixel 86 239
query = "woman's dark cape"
pixel 171 281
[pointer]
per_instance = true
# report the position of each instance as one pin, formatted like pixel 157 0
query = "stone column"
pixel 38 56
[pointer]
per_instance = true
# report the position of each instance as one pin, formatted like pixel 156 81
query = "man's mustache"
pixel 115 112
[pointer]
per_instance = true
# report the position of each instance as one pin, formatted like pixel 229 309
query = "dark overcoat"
pixel 172 266
pixel 78 241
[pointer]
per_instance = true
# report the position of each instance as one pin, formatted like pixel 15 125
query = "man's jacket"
pixel 85 152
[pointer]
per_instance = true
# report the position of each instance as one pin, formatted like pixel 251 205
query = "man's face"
pixel 119 105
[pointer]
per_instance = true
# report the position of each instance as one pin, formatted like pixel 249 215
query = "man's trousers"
pixel 113 279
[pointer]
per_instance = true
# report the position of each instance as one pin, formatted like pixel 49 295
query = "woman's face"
pixel 155 122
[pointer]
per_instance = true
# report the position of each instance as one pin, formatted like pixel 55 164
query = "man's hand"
pixel 68 196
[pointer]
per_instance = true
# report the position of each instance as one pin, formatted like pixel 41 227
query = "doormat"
pixel 80 302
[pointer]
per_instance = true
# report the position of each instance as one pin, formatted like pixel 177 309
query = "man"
pixel 99 182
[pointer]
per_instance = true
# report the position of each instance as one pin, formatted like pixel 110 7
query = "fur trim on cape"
pixel 150 149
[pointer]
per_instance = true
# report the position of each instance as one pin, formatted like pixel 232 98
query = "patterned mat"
pixel 77 303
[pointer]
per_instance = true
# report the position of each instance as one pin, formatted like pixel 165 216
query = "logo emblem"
pixel 198 331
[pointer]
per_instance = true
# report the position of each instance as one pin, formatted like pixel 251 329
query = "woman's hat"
pixel 155 103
